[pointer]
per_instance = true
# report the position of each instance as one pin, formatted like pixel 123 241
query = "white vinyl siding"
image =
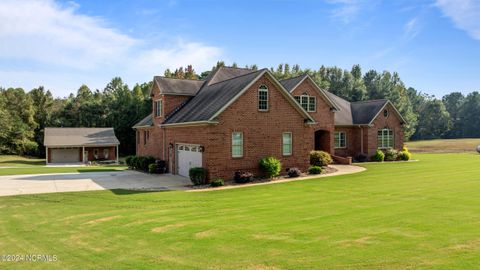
pixel 263 98
pixel 385 138
pixel 340 139
pixel 158 108
pixel 237 144
pixel 287 143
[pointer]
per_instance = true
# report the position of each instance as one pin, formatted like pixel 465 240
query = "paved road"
pixel 48 183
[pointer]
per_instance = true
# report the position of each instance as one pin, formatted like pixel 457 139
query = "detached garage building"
pixel 80 145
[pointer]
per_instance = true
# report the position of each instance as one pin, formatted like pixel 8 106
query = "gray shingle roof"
pixel 289 84
pixel 178 86
pixel 211 98
pixel 226 73
pixel 363 112
pixel 344 115
pixel 356 113
pixel 145 122
pixel 65 137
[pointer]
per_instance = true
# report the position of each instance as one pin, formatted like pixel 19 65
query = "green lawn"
pixel 444 145
pixel 413 215
pixel 19 161
pixel 12 165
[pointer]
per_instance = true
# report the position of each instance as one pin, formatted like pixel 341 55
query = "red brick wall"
pixel 262 133
pixel 391 122
pixel 353 143
pixel 323 115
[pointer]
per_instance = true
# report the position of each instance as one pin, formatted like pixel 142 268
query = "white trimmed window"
pixel 237 144
pixel 287 143
pixel 158 108
pixel 385 138
pixel 308 103
pixel 263 98
pixel 340 139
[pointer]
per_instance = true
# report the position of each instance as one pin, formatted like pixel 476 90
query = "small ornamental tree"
pixel 270 166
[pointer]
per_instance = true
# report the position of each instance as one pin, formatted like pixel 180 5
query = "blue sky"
pixel 434 44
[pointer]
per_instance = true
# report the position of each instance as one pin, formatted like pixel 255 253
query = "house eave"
pixel 188 124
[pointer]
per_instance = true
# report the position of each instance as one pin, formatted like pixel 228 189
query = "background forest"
pixel 24 115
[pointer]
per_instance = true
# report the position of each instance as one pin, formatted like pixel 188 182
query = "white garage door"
pixel 188 156
pixel 65 155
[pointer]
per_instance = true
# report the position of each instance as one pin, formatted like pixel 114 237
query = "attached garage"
pixel 188 156
pixel 65 155
pixel 80 145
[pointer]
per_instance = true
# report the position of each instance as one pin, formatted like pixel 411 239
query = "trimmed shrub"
pixel 270 166
pixel 391 155
pixel 361 158
pixel 217 182
pixel 198 175
pixel 320 158
pixel 143 162
pixel 404 154
pixel 152 168
pixel 243 177
pixel 294 172
pixel 379 156
pixel 129 161
pixel 134 162
pixel 315 170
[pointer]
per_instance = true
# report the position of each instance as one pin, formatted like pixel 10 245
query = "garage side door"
pixel 65 155
pixel 188 156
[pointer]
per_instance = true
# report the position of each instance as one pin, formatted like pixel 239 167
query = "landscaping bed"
pixel 256 180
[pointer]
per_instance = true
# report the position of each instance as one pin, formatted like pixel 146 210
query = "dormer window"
pixel 308 103
pixel 385 113
pixel 158 108
pixel 263 98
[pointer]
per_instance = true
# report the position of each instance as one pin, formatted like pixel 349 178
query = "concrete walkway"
pixel 68 182
pixel 341 170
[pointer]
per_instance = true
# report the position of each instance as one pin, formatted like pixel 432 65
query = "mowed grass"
pixel 15 165
pixel 19 161
pixel 444 145
pixel 410 215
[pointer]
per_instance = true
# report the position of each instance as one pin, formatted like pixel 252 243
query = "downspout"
pixel 361 139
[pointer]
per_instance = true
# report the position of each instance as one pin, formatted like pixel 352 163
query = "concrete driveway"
pixel 48 183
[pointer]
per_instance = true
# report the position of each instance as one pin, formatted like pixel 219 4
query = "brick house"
pixel 234 117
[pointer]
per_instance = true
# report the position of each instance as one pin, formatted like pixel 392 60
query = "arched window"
pixel 385 138
pixel 263 98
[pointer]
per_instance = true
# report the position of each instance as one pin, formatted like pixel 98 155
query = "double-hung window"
pixel 385 138
pixel 308 103
pixel 287 143
pixel 237 144
pixel 158 108
pixel 340 139
pixel 263 98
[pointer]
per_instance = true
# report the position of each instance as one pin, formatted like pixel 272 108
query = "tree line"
pixel 24 115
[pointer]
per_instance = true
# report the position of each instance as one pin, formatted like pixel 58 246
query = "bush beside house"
pixel 320 158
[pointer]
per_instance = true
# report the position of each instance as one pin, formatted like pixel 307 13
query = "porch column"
pixel 46 155
pixel 117 154
pixel 83 154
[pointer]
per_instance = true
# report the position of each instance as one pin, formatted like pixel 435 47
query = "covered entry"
pixel 322 140
pixel 188 156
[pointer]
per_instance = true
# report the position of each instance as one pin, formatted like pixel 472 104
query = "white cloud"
pixel 348 10
pixel 465 14
pixel 43 35
pixel 412 28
